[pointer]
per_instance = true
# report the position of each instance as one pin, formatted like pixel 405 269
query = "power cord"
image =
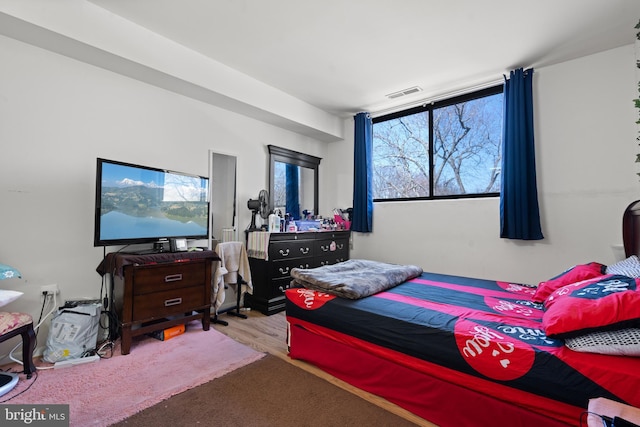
pixel 104 350
pixel 106 290
pixel 584 416
pixel 33 381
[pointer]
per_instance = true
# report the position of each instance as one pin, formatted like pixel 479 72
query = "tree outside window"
pixel 448 149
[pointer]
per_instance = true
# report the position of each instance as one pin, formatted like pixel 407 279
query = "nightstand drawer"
pixel 170 276
pixel 165 303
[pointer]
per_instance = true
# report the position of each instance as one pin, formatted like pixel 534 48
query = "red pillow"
pixel 604 303
pixel 572 275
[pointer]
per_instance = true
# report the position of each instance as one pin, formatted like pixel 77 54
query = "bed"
pixel 461 351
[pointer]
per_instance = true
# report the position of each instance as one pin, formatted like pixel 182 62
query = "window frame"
pixel 430 107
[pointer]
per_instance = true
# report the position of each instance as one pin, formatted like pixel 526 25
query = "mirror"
pixel 222 187
pixel 293 182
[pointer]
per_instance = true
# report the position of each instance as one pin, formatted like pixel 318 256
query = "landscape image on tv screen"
pixel 143 203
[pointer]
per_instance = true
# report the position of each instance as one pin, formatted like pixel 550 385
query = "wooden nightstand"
pixel 157 291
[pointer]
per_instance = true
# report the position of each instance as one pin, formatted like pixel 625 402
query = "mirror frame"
pixel 284 155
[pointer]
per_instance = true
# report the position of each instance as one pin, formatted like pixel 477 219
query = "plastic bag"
pixel 73 332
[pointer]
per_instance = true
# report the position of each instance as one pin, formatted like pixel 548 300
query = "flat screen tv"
pixel 141 204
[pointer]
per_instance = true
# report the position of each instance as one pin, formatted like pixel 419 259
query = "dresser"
pixel 271 273
pixel 157 291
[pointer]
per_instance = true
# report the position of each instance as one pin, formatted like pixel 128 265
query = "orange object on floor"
pixel 169 333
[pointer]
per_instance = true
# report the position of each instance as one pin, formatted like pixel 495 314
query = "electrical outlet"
pixel 51 289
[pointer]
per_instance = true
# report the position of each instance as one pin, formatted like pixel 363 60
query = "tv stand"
pixel 156 291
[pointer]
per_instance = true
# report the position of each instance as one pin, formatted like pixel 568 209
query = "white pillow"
pixel 8 296
pixel 621 342
pixel 629 267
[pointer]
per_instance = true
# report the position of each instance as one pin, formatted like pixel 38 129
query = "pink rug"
pixel 110 390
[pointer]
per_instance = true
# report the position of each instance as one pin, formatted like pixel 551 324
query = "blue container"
pixel 309 225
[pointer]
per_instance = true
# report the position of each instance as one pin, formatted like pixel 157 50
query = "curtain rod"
pixel 436 98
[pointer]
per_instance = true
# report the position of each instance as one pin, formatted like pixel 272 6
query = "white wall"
pixel 57 115
pixel 585 155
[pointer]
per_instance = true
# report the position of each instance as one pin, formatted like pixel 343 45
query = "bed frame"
pixel 443 403
pixel 631 229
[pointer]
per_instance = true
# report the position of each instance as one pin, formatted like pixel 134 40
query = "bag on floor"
pixel 73 332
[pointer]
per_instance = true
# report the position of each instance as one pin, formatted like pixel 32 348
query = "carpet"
pixel 268 393
pixel 109 390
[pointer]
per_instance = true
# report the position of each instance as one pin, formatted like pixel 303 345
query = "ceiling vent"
pixel 404 92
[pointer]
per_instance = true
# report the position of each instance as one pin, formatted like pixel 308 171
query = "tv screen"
pixel 141 204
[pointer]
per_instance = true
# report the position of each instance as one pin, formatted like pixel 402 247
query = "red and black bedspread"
pixel 479 334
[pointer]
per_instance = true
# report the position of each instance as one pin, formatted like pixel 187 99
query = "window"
pixel 448 149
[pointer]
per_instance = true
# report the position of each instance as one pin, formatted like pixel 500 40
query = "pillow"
pixel 7 272
pixel 622 342
pixel 575 274
pixel 604 303
pixel 628 267
pixel 8 296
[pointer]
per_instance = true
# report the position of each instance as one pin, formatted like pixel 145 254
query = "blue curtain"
pixel 519 212
pixel 362 175
pixel 293 197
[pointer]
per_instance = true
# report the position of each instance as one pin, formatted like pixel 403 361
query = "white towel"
pixel 258 244
pixel 233 262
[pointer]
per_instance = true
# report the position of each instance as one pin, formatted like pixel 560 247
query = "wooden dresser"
pixel 157 291
pixel 272 276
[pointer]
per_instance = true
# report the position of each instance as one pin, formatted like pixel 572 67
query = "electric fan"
pixel 258 206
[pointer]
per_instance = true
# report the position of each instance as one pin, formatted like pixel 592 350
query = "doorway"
pixel 223 200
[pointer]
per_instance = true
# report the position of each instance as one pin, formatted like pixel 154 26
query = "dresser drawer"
pixel 164 277
pixel 329 260
pixel 160 304
pixel 334 235
pixel 290 249
pixel 278 269
pixel 278 286
pixel 331 251
pixel 335 247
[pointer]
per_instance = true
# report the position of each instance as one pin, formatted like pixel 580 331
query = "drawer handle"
pixel 283 288
pixel 173 278
pixel 340 245
pixel 324 262
pixel 170 302
pixel 324 248
pixel 304 251
pixel 304 266
pixel 284 270
pixel 284 253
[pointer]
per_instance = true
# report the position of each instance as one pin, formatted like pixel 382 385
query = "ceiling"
pixel 346 56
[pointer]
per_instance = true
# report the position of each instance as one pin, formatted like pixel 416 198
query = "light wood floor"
pixel 268 334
